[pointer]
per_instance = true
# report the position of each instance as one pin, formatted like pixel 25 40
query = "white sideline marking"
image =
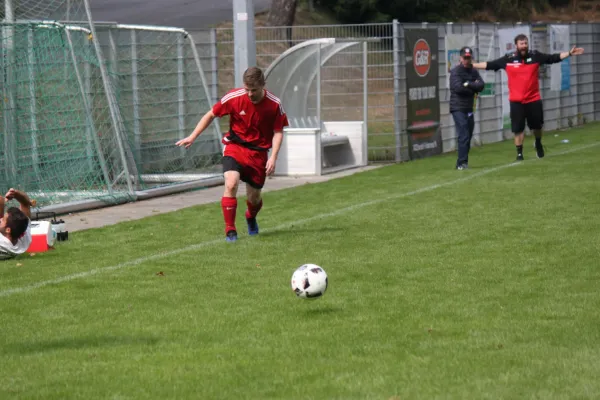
pixel 85 274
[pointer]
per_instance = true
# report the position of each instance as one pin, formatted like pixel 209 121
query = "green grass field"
pixel 478 284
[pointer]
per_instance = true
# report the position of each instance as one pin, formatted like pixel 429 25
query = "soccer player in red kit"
pixel 256 122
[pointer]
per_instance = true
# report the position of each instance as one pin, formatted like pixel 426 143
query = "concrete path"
pixel 141 209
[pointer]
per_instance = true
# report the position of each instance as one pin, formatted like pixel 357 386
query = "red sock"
pixel 229 206
pixel 253 209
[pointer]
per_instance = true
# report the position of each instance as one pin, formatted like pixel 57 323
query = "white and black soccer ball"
pixel 309 281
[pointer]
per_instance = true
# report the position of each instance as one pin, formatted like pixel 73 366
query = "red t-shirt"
pixel 251 125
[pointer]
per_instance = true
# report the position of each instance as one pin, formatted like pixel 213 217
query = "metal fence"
pixel 121 101
pixel 162 92
pixel 387 80
pixel 341 77
pixel 93 116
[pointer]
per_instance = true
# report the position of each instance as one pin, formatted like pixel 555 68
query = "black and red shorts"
pixel 250 163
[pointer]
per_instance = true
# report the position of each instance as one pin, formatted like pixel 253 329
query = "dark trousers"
pixel 464 122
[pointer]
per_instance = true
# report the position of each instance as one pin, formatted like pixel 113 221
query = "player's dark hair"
pixel 254 76
pixel 17 221
pixel 520 37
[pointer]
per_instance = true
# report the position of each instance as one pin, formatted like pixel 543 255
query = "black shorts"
pixel 532 112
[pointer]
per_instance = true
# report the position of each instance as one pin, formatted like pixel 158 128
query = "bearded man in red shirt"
pixel 522 69
pixel 256 122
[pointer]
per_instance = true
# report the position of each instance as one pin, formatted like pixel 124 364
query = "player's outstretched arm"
pixel 575 51
pixel 206 120
pixel 554 58
pixel 272 161
pixel 494 65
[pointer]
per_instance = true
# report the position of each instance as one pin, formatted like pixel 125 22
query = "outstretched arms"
pixel 206 120
pixel 219 109
pixel 544 58
pixel 494 65
pixel 575 51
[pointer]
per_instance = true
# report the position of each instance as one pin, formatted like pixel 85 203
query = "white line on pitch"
pixel 137 261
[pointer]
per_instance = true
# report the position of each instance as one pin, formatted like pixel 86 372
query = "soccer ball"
pixel 309 281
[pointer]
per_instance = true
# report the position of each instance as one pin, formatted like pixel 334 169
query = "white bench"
pixel 309 151
pixel 333 140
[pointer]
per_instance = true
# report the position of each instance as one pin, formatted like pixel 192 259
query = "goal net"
pixel 91 113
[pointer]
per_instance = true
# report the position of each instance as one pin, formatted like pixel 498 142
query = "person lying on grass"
pixel 15 229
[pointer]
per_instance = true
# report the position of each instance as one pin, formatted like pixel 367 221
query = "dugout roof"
pixel 293 78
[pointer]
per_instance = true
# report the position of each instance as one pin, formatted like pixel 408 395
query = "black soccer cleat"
pixel 539 149
pixel 520 157
pixel 231 236
pixel 252 226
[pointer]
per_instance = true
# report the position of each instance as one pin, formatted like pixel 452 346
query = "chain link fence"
pixel 92 111
pixel 341 76
pixel 162 92
pixel 61 139
pixel 387 140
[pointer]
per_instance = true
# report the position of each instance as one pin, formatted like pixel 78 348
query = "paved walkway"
pixel 141 209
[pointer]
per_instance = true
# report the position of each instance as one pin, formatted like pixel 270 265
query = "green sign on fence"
pixel 422 92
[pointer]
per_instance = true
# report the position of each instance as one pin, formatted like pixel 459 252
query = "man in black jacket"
pixel 465 83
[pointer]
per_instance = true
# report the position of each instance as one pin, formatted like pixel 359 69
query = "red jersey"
pixel 251 125
pixel 522 73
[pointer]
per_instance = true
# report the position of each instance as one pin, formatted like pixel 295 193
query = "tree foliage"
pixel 361 11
